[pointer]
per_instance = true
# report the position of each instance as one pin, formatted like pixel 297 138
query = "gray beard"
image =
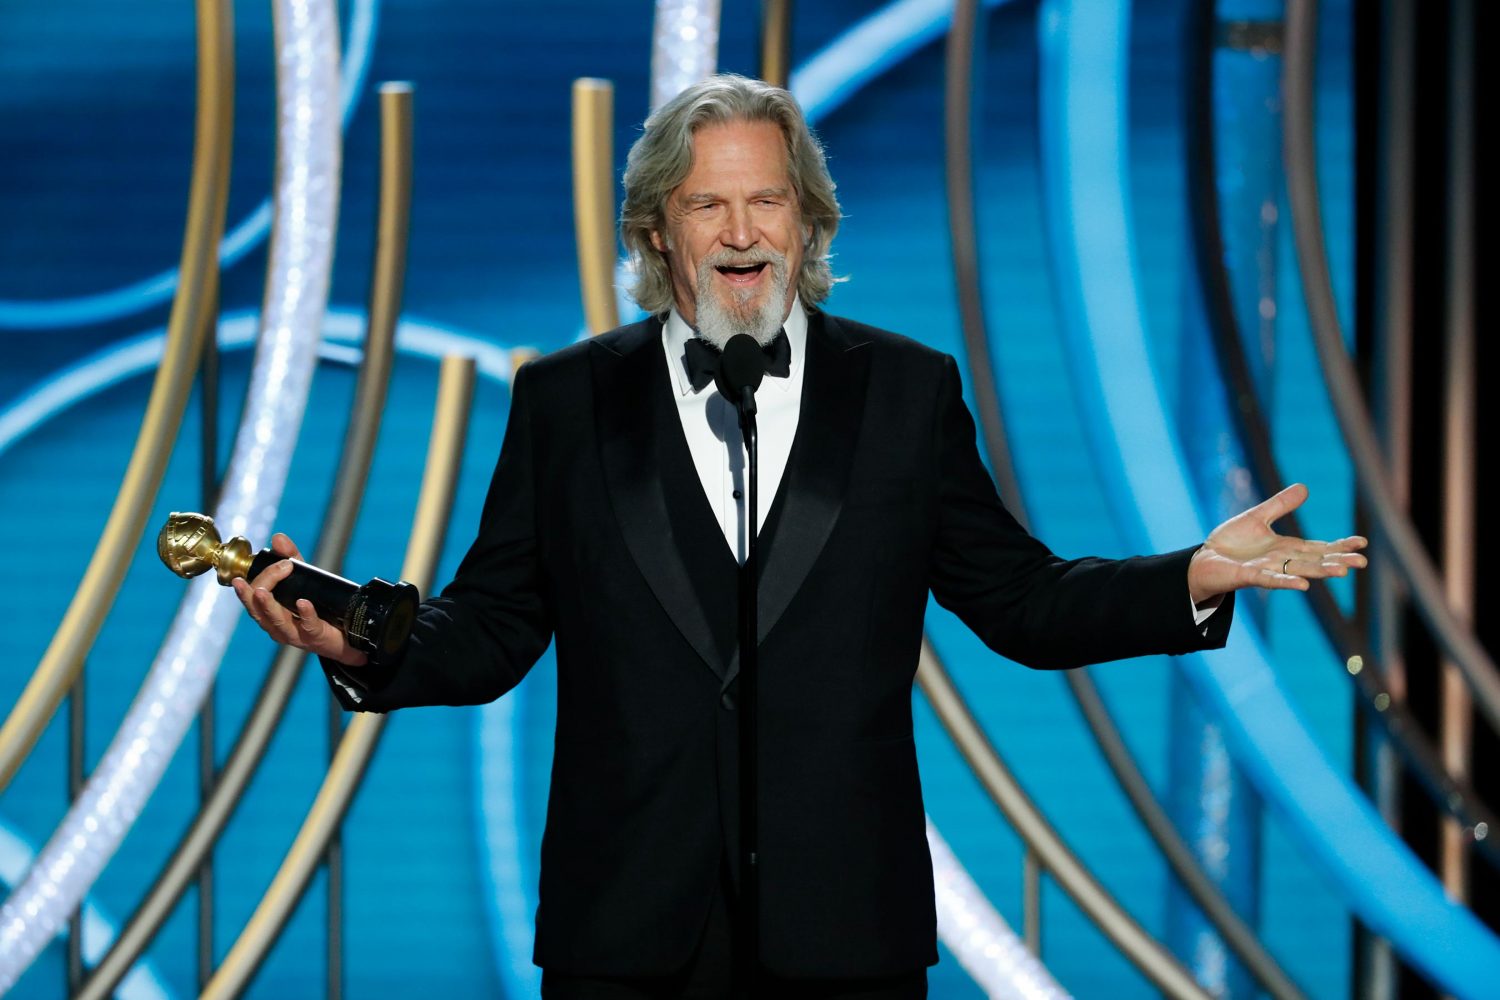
pixel 718 321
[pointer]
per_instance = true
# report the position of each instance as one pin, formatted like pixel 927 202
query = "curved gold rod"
pixel 776 41
pixel 435 503
pixel 393 227
pixel 191 322
pixel 1378 680
pixel 386 287
pixel 963 236
pixel 1396 535
pixel 1143 951
pixel 1236 933
pixel 959 77
pixel 1460 430
pixel 594 200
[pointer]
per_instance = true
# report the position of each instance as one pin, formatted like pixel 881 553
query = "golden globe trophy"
pixel 376 618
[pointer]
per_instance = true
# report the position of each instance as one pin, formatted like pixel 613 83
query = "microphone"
pixel 742 366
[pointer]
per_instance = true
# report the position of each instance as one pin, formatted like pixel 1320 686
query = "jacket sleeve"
pixel 478 639
pixel 1026 603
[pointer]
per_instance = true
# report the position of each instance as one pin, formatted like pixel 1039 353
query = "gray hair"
pixel 662 158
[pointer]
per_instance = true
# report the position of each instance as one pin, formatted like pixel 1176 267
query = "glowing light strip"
pixel 1084 82
pixel 344 330
pixel 684 46
pixel 120 362
pixel 301 255
pixel 101 307
pixel 981 940
pixel 865 51
pixel 821 86
pixel 511 900
pixel 142 983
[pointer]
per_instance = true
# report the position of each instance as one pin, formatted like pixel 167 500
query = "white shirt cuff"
pixel 1203 614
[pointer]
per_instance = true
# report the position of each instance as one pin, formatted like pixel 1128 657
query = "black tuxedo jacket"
pixel 597 531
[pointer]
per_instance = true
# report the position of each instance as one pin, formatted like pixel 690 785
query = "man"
pixel 615 520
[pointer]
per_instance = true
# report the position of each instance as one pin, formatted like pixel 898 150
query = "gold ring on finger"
pixel 1284 564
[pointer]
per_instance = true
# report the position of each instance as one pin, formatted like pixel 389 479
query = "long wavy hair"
pixel 662 158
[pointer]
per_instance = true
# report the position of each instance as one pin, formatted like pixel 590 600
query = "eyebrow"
pixel 704 197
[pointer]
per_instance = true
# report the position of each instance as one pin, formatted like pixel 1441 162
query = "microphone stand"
pixel 749 951
pixel 742 365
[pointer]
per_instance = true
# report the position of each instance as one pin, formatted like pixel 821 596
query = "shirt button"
pixel 727 701
pixel 738 495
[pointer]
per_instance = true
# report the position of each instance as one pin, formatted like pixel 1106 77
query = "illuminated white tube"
pixel 981 940
pixel 301 254
pixel 684 46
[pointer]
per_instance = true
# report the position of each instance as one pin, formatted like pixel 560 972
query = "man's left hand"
pixel 1245 552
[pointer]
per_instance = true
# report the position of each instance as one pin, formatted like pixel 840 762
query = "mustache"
pixel 743 258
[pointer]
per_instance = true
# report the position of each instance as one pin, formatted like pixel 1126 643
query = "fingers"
pixel 1280 505
pixel 1354 543
pixel 283 545
pixel 243 590
pixel 302 629
pixel 1320 566
pixel 1272 578
pixel 1292 569
pixel 272 575
pixel 307 622
pixel 246 594
pixel 275 619
pixel 1291 562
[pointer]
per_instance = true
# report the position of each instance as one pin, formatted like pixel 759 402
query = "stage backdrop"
pixel 96 110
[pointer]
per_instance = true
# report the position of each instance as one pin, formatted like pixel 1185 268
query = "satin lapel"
pixel 817 471
pixel 631 385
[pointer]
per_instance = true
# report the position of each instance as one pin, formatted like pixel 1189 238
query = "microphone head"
pixel 742 364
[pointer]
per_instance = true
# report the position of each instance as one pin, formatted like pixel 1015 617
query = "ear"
pixel 658 242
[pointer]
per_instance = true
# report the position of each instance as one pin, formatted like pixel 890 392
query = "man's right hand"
pixel 303 628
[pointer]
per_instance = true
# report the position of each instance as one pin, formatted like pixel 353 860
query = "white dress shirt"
pixel 712 429
pixel 713 436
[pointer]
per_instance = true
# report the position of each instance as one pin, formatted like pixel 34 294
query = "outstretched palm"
pixel 1245 551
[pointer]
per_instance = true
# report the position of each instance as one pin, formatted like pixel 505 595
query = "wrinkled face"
pixel 734 233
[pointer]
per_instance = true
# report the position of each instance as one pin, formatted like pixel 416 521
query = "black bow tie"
pixel 701 359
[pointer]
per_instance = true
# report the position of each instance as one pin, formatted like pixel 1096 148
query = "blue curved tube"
pixel 1084 82
pixel 101 307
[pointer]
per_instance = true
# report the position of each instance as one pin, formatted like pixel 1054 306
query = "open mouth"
pixel 741 273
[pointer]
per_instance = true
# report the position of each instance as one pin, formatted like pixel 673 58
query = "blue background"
pixel 96 105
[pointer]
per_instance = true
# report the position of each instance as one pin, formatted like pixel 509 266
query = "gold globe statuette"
pixel 376 618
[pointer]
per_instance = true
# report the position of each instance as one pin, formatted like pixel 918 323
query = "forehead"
pixel 737 154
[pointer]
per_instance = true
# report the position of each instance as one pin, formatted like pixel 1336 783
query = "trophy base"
pixel 379 619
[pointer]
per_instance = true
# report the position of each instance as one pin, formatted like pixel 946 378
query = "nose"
pixel 739 231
